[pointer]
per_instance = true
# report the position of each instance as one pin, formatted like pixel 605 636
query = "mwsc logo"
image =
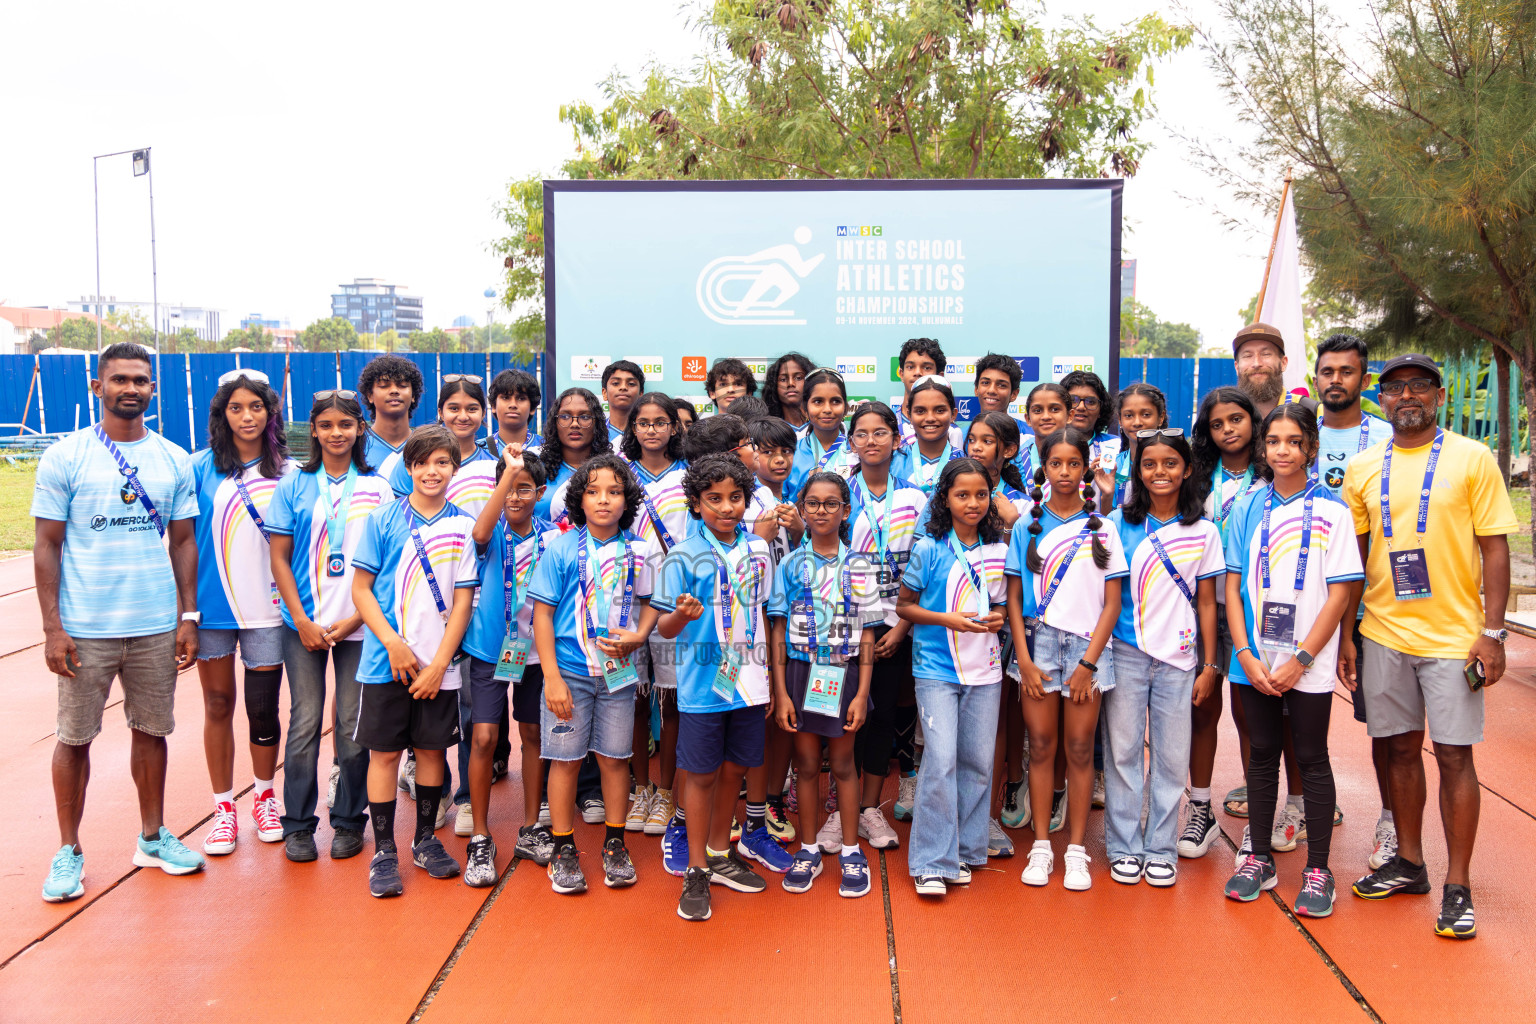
pixel 753 290
pixel 860 231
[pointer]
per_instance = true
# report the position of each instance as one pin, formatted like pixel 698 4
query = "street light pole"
pixel 96 200
pixel 154 287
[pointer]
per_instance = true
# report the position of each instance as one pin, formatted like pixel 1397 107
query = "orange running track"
pixel 255 938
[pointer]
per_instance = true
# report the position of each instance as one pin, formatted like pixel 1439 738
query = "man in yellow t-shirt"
pixel 1440 540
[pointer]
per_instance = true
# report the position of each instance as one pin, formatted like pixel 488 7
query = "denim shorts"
pixel 601 722
pixel 1057 652
pixel 261 647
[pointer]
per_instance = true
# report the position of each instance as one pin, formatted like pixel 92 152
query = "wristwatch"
pixel 1304 658
pixel 196 618
pixel 1500 635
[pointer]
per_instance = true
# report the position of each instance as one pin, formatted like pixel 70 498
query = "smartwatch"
pixel 1304 658
pixel 196 618
pixel 1090 666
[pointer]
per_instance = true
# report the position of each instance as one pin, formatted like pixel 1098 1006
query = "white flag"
pixel 1280 302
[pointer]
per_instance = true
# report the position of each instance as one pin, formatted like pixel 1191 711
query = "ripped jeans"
pixel 954 782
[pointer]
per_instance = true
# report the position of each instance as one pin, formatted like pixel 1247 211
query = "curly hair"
pixel 1082 442
pixel 347 407
pixel 396 368
pixel 1191 505
pixel 274 440
pixel 629 444
pixel 1207 455
pixel 712 469
pixel 715 435
pixel 553 452
pixel 1006 365
pixel 1089 379
pixel 729 367
pixel 821 476
pixel 576 490
pixel 941 521
pixel 1006 428
pixel 771 381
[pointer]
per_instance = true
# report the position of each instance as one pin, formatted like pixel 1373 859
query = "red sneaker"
pixel 226 827
pixel 268 818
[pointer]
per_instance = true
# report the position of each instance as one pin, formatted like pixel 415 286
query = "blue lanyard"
pixel 845 581
pixel 1162 553
pixel 1242 488
pixel 878 524
pixel 599 595
pixel 133 479
pixel 1061 572
pixel 1364 442
pixel 1386 492
pixel 250 507
pixel 827 455
pixel 952 453
pixel 509 580
pixel 336 513
pixel 650 508
pixel 1306 538
pixel 421 555
pixel 984 602
pixel 728 584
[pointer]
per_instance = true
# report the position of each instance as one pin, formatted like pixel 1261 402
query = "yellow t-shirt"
pixel 1468 500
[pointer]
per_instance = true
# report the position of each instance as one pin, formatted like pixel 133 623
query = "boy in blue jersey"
pixel 623 384
pixel 413 584
pixel 390 386
pixel 514 395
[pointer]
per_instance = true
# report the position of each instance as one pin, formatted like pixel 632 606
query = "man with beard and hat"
pixel 1258 352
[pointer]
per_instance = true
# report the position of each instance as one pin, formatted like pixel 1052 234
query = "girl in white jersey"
pixel 461 408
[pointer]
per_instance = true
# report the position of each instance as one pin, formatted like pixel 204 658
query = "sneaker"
pixel 1041 862
pixel 803 871
pixel 1235 803
pixel 1058 811
pixel 534 843
pixel 779 825
pixel 168 854
pixel 300 847
pixel 1160 873
pixel 791 793
pixel 226 827
pixel 964 877
pixel 735 830
pixel 498 770
pixel 1393 877
pixel 855 880
pixel 674 849
pixel 830 806
pixel 758 845
pixel 1126 870
pixel 998 843
pixel 1316 896
pixel 1244 849
pixel 592 810
pixel 661 811
pixel 1385 847
pixel 345 843
pixel 64 874
pixel 1076 877
pixel 733 873
pixel 1200 830
pixel 874 828
pixel 1015 810
pixel 906 796
pixel 1098 791
pixel 1253 876
pixel 1338 815
pixel 618 868
pixel 480 863
pixel 639 810
pixel 564 872
pixel 464 821
pixel 443 806
pixel 830 837
pixel 330 786
pixel 384 872
pixel 268 817
pixel 1456 920
pixel 930 885
pixel 408 775
pixel 544 818
pixel 1290 829
pixel 694 903
pixel 434 859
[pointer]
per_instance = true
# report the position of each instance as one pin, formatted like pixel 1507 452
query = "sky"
pixel 297 146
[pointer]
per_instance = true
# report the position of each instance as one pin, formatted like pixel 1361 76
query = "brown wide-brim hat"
pixel 1258 331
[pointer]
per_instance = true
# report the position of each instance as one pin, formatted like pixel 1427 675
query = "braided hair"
pixel 1081 441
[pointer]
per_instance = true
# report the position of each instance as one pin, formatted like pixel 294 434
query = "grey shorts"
pixel 1403 689
pixel 146 668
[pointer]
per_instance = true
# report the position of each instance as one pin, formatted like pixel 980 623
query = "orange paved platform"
pixel 257 939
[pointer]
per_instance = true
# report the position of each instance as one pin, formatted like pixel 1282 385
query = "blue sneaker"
pixel 63 882
pixel 674 848
pixel 758 845
pixel 803 871
pixel 168 854
pixel 855 874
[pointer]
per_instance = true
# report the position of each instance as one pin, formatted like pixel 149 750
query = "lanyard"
pixel 421 556
pixel 1162 553
pixel 1224 508
pixel 509 579
pixel 827 455
pixel 925 478
pixel 1360 446
pixel 250 508
pixel 1306 539
pixel 661 528
pixel 845 587
pixel 133 479
pixel 878 525
pixel 728 584
pixel 602 597
pixel 1061 572
pixel 1386 492
pixel 981 591
pixel 336 513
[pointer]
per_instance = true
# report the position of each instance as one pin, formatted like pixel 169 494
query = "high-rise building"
pixel 375 307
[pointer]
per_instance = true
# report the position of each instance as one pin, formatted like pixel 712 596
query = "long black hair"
pixel 821 476
pixel 1191 505
pixel 941 521
pixel 1082 442
pixel 629 445
pixel 553 452
pixel 1207 453
pixel 577 488
pixel 274 441
pixel 771 385
pixel 1007 430
pixel 347 407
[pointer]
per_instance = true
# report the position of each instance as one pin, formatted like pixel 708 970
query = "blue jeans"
pixel 306 688
pixel 1145 690
pixel 954 784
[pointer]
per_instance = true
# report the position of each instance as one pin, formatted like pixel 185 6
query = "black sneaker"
pixel 733 873
pixel 300 846
pixel 384 872
pixel 1200 830
pixel 1316 896
pixel 694 904
pixel 618 868
pixel 565 875
pixel 1253 876
pixel 480 871
pixel 498 771
pixel 347 842
pixel 535 843
pixel 1393 877
pixel 1456 920
pixel 434 859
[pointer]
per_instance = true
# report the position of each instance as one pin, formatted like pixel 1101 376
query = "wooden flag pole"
pixel 1274 240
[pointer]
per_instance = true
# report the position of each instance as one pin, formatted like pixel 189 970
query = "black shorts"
pixel 488 695
pixel 797 676
pixel 1358 697
pixel 389 719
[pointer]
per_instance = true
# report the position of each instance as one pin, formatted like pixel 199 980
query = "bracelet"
pixel 1211 664
pixel 1240 650
pixel 1090 666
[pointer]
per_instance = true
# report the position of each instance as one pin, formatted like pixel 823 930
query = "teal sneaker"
pixel 168 854
pixel 906 796
pixel 63 881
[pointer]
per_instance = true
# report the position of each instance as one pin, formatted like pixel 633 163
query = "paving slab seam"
pixel 464 941
pixel 890 939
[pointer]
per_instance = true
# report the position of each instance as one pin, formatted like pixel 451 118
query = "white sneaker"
pixel 1098 791
pixel 464 821
pixel 442 809
pixel 998 843
pixel 592 811
pixel 1244 849
pixel 544 818
pixel 1386 844
pixel 639 810
pixel 906 796
pixel 330 789
pixel 1041 862
pixel 874 828
pixel 226 829
pixel 1288 829
pixel 1076 877
pixel 408 778
pixel 830 838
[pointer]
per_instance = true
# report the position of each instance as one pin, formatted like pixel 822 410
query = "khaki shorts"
pixel 146 667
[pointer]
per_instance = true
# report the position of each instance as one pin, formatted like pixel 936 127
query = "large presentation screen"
pixel 674 275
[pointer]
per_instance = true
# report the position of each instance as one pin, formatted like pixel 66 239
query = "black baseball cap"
pixel 1413 361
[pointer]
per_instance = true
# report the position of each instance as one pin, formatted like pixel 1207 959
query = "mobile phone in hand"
pixel 1477 677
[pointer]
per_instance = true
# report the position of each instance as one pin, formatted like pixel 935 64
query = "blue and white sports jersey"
pixel 759 507
pixel 665 491
pixel 615 436
pixel 401 587
pixel 1079 598
pixel 382 455
pixel 1155 616
pixel 867 515
pixel 910 464
pixel 115 576
pixel 690 568
pixel 906 433
pixel 299 510
pixel 1333 557
pixel 942 584
pixel 488 626
pixel 837 620
pixel 234 562
pixel 557 583
pixel 471 486
pixel 811 456
pixel 1337 445
pixel 548 507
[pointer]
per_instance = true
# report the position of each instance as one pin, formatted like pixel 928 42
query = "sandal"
pixel 1236 803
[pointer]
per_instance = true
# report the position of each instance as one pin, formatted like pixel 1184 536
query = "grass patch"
pixel 16 506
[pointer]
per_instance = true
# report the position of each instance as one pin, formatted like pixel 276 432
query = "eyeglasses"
pixel 255 375
pixel 1077 400
pixel 321 396
pixel 1160 432
pixel 454 378
pixel 864 436
pixel 1417 385
pixel 524 492
pixel 652 425
pixel 581 419
pixel 830 505
pixel 745 444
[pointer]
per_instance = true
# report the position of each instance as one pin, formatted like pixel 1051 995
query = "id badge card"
pixel 727 674
pixel 513 659
pixel 824 690
pixel 1277 626
pixel 1410 574
pixel 336 565
pixel 619 673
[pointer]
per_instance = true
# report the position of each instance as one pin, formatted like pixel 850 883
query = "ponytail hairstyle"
pixel 821 476
pixel 629 446
pixel 274 440
pixel 941 520
pixel 1191 505
pixel 1298 414
pixel 1006 428
pixel 1083 443
pixel 932 382
pixel 818 376
pixel 1152 394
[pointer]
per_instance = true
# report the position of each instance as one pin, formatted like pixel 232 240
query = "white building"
pixel 173 317
pixel 18 325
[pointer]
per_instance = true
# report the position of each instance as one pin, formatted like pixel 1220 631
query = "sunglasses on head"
pixel 255 375
pixel 1160 432
pixel 454 378
pixel 320 396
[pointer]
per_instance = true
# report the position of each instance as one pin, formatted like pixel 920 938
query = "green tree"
pixel 386 341
pixel 78 332
pixel 435 340
pixel 334 335
pixel 256 338
pixel 1143 334
pixel 131 325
